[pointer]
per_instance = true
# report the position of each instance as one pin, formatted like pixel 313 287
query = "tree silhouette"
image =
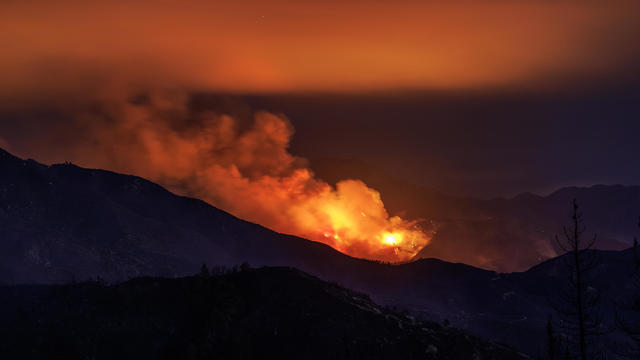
pixel 204 270
pixel 577 301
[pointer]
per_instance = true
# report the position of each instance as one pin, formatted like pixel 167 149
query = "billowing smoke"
pixel 245 169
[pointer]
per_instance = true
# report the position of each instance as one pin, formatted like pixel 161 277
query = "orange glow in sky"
pixel 267 46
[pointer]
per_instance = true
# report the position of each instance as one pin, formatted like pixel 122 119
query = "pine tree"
pixel 578 301
pixel 204 270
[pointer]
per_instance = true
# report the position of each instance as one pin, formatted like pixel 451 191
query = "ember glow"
pixel 246 171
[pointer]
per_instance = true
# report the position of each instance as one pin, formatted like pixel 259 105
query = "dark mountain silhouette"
pixel 481 232
pixel 264 313
pixel 62 222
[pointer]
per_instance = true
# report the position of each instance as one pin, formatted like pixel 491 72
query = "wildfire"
pixel 353 220
pixel 249 173
pixel 391 239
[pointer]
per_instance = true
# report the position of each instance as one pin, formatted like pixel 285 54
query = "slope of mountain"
pixel 499 234
pixel 61 222
pixel 266 313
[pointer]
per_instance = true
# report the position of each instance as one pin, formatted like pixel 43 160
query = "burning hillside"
pixel 245 169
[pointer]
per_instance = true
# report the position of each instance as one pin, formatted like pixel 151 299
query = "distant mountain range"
pixel 62 223
pixel 499 234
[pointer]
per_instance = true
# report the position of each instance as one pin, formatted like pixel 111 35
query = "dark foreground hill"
pixel 265 313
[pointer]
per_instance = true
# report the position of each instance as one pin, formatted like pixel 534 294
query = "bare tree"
pixel 577 301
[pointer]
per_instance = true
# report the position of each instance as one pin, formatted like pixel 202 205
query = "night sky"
pixel 477 144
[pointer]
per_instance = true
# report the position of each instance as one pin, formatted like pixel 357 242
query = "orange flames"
pixel 352 219
pixel 245 171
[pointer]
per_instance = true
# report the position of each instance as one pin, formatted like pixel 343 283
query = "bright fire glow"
pixel 390 239
pixel 351 218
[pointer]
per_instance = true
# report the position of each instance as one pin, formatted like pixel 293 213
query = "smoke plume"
pixel 243 168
